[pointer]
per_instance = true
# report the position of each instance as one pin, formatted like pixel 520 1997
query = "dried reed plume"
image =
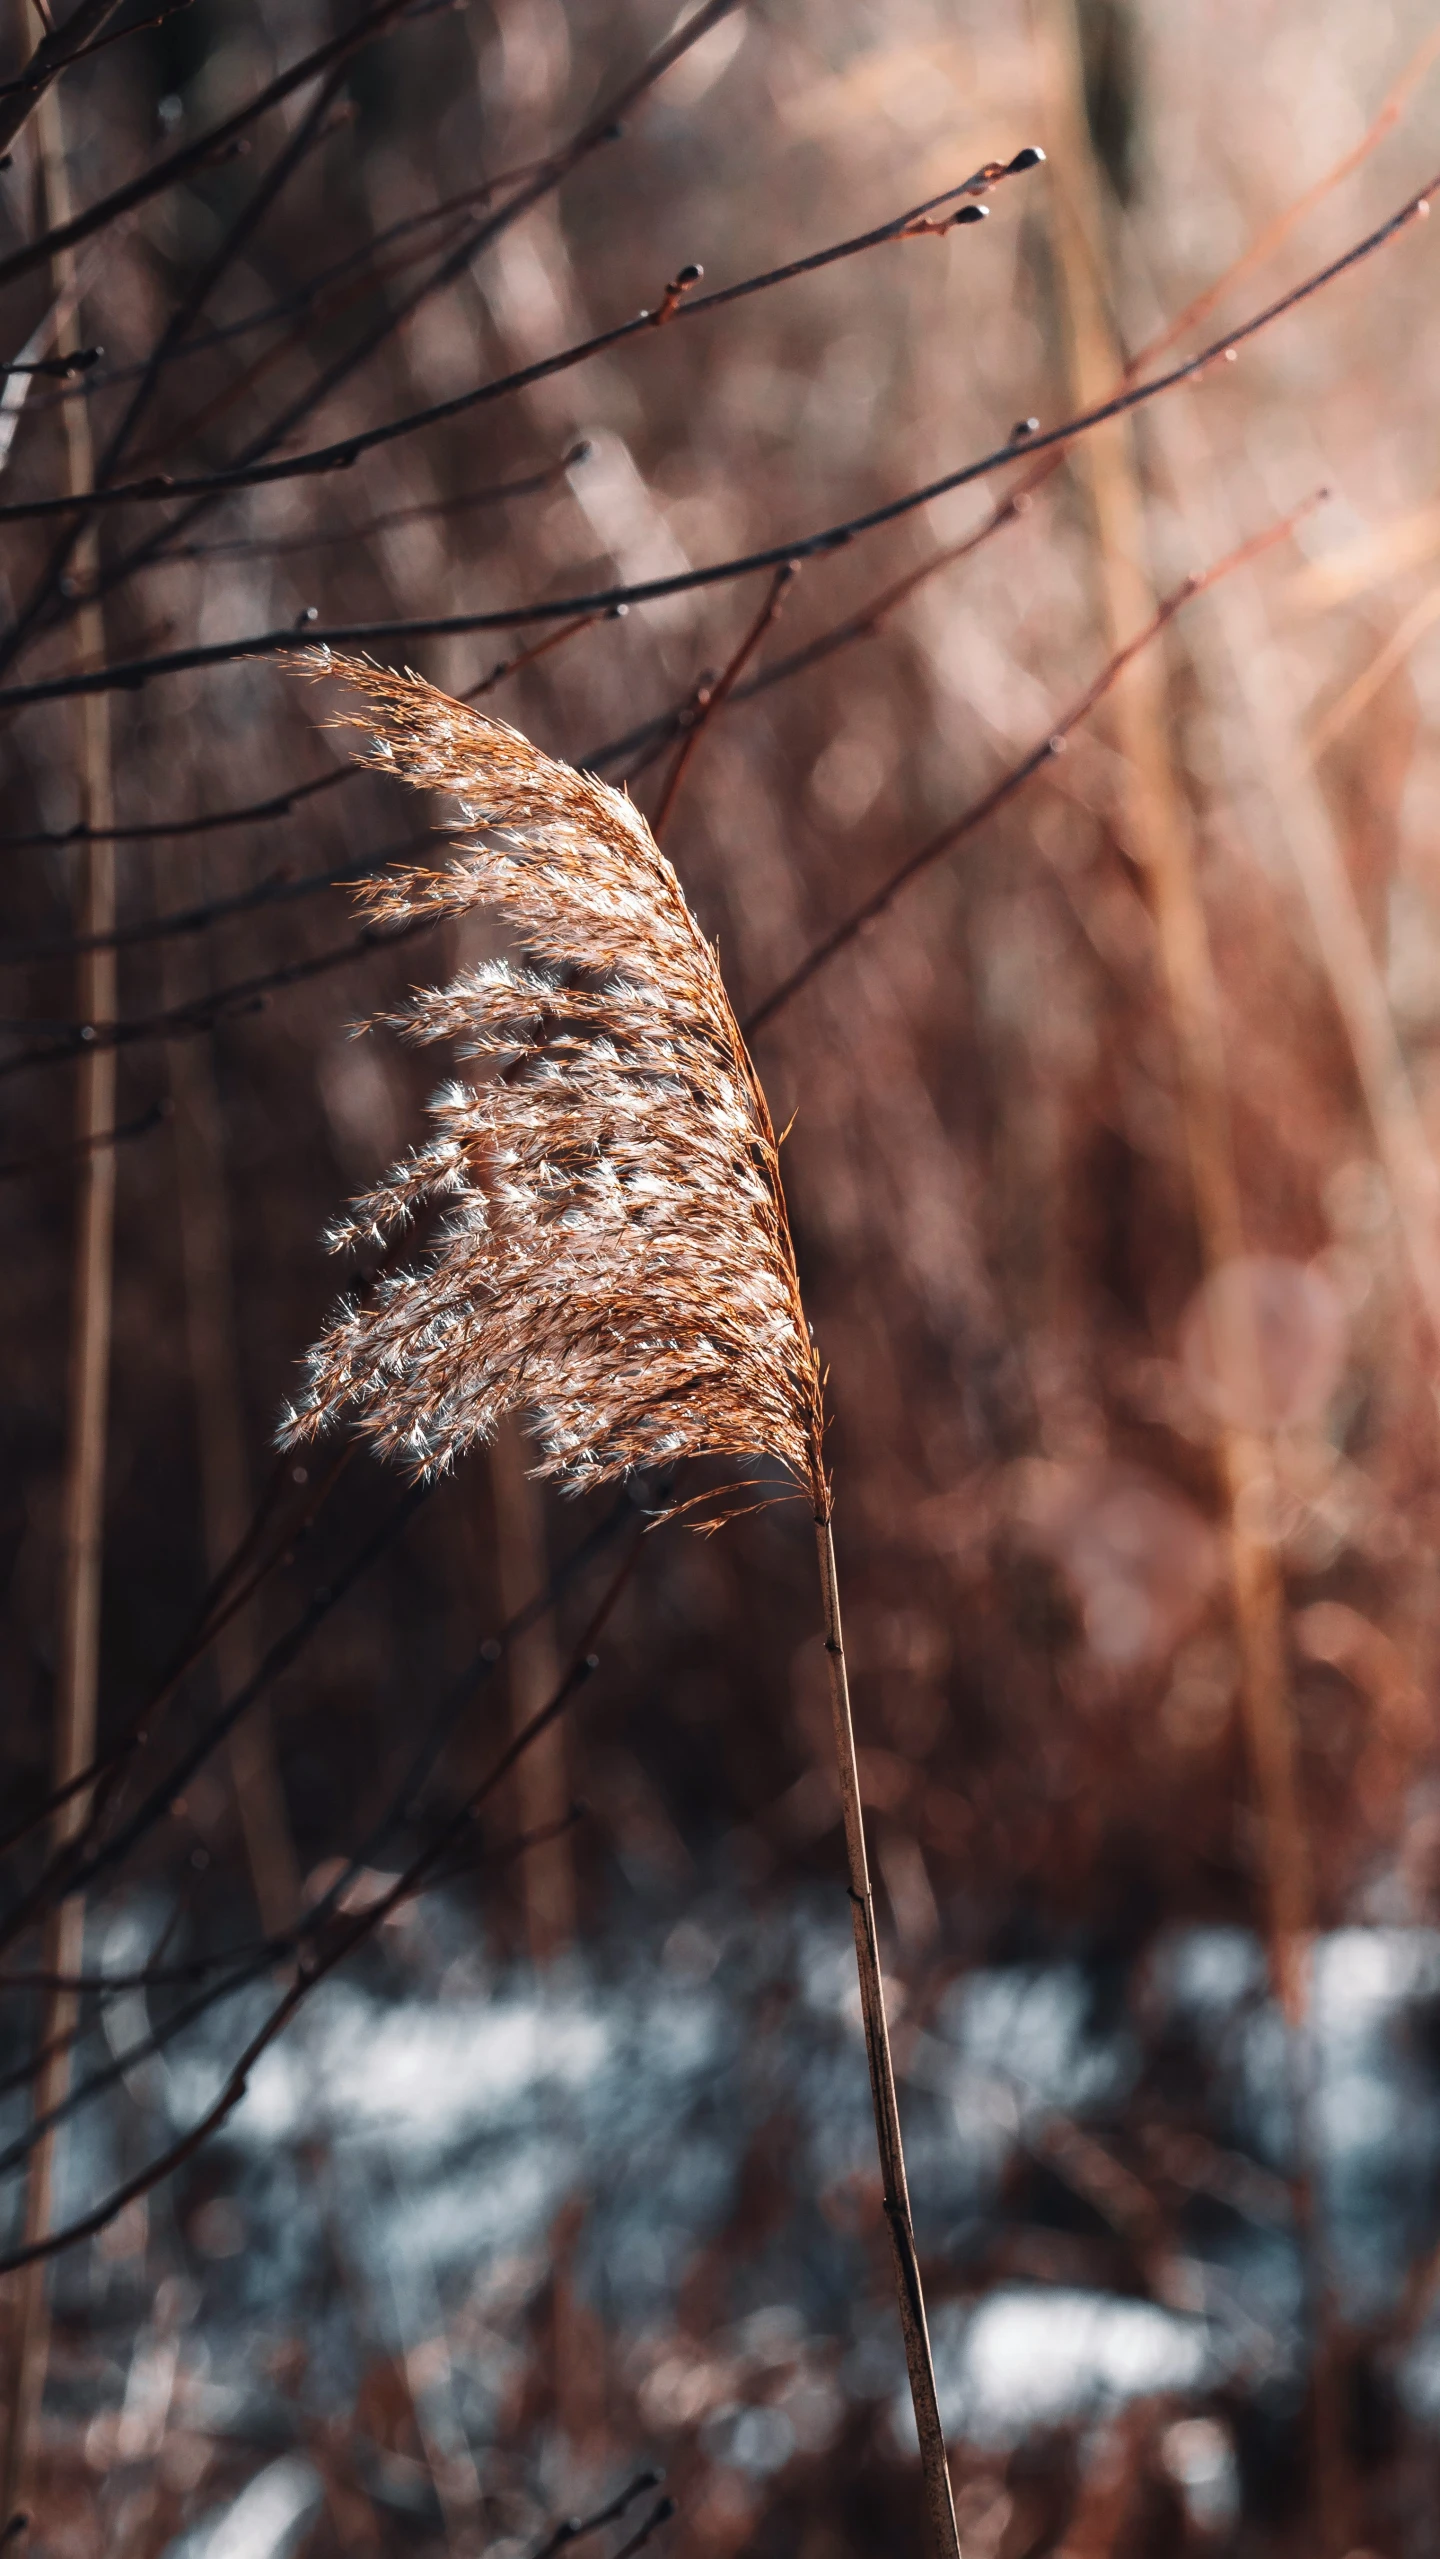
pixel 614 1259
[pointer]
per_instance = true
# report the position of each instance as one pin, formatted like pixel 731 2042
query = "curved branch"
pixel 343 455
pixel 141 671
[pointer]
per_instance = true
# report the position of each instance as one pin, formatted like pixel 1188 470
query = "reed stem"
pixel 541 1780
pixel 1158 831
pixel 226 1494
pixel 78 1667
pixel 939 2500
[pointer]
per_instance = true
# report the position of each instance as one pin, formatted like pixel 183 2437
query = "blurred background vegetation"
pixel 1113 1174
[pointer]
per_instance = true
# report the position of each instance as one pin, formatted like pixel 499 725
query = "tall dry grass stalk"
pixel 226 1494
pixel 613 1258
pixel 1159 832
pixel 83 1496
pixel 541 1779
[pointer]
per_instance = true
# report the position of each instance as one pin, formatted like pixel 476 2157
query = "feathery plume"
pixel 614 1258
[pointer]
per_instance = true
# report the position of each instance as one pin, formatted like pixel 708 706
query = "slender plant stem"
pixel 939 2500
pixel 541 1780
pixel 55 48
pixel 226 1494
pixel 1158 830
pixel 711 700
pixel 84 1486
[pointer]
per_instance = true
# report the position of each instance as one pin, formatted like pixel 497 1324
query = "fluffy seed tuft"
pixel 613 1258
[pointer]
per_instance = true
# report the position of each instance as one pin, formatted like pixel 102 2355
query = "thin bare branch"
pixel 663 2511
pixel 258 812
pixel 52 55
pixel 70 1873
pixel 576 2527
pixel 365 634
pixel 202 1012
pixel 714 696
pixel 55 1157
pixel 344 455
pixel 1014 781
pixel 598 130
pixel 204 151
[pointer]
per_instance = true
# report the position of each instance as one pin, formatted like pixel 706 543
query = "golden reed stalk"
pixel 613 1258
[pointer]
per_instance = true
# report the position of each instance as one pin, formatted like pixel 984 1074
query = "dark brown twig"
pixel 575 2528
pixel 639 747
pixel 598 129
pixel 192 156
pixel 432 511
pixel 344 455
pixel 243 1964
pixel 34 77
pixel 21 1165
pixel 367 634
pixel 75 1864
pixel 714 696
pixel 60 47
pixel 661 2512
pixel 257 812
pixel 201 1013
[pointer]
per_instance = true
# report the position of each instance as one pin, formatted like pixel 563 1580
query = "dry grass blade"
pixel 614 1258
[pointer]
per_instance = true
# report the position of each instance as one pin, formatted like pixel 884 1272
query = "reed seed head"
pixel 613 1259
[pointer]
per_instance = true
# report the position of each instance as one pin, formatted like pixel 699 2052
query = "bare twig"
pixel 576 2527
pixel 142 1126
pixel 69 1873
pixel 714 696
pixel 140 671
pixel 68 233
pixel 280 546
pixel 662 2511
pixel 592 135
pixel 344 455
pixel 57 47
pixel 202 1012
pixel 258 811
